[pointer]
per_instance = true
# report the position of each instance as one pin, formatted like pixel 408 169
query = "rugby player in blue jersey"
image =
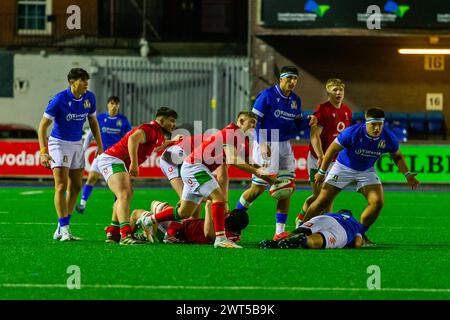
pixel 69 110
pixel 359 147
pixel 113 126
pixel 279 114
pixel 328 231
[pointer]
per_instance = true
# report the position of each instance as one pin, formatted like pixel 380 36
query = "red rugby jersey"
pixel 210 152
pixel 154 138
pixel 333 121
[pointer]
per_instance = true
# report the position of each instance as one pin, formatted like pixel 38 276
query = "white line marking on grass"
pixel 208 288
pixel 28 193
pixel 54 223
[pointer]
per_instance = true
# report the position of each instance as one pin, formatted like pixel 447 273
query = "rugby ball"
pixel 282 190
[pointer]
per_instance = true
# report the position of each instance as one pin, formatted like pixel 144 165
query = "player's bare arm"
pixel 236 161
pixel 316 131
pixel 42 136
pixel 137 138
pixel 168 143
pixel 331 151
pixel 312 120
pixel 400 162
pixel 95 128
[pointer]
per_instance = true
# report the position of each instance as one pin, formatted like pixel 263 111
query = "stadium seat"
pixel 418 124
pixel 358 117
pixel 436 123
pixel 398 119
pixel 401 133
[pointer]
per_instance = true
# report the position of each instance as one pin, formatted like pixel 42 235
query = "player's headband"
pixel 288 74
pixel 368 120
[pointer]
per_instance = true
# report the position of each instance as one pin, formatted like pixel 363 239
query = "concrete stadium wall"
pixel 37 79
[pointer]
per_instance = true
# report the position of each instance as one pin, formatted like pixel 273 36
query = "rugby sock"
pixel 301 214
pixel 167 214
pixel 281 222
pixel 125 229
pixel 87 190
pixel 114 227
pixel 63 221
pixel 243 204
pixel 218 215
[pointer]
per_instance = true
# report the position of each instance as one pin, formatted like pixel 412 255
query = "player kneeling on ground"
pixel 329 231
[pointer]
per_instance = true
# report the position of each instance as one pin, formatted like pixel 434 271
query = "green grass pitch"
pixel 412 253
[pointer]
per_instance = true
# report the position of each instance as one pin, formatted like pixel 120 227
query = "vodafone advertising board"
pixel 20 158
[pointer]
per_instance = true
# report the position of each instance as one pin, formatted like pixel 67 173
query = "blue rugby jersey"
pixel 112 129
pixel 362 151
pixel 276 111
pixel 350 225
pixel 69 114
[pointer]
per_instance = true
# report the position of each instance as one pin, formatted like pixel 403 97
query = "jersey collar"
pixel 278 89
pixel 69 92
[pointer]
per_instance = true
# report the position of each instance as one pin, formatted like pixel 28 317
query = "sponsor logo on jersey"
pixel 340 126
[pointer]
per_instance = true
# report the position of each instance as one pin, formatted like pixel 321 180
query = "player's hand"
pixel 312 120
pixel 412 181
pixel 266 153
pixel 319 161
pixel 134 170
pixel 270 178
pixel 319 178
pixel 177 138
pixel 46 160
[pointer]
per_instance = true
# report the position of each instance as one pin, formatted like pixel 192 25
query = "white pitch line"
pixel 209 288
pixel 28 193
pixel 54 223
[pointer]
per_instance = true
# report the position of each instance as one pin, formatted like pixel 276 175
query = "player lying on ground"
pixel 193 230
pixel 328 231
pixel 224 147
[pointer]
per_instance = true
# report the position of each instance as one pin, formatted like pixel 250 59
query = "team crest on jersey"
pixel 87 104
pixel 382 144
pixel 294 105
pixel 119 123
pixel 346 116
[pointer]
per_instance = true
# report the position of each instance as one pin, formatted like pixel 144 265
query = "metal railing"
pixel 212 90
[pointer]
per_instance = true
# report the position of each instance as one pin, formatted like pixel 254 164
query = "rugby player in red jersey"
pixel 193 230
pixel 222 148
pixel 333 117
pixel 122 160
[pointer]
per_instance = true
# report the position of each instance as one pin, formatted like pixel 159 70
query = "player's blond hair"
pixel 248 114
pixel 334 82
